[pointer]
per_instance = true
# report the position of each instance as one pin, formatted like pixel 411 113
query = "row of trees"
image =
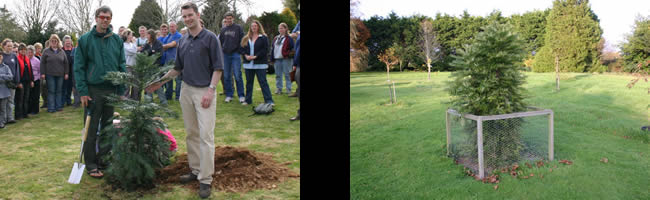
pixel 569 32
pixel 408 37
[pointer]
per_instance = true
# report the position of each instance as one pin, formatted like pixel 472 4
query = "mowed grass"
pixel 37 154
pixel 397 151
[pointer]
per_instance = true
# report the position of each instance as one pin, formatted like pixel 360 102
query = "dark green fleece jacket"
pixel 97 54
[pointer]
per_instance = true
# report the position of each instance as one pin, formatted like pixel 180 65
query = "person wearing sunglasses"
pixel 99 51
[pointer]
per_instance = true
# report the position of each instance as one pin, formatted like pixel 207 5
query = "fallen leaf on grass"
pixel 567 162
pixel 513 173
pixel 531 175
pixel 604 160
pixel 496 186
pixel 529 166
pixel 550 170
pixel 525 177
pixel 492 179
pixel 514 167
pixel 540 163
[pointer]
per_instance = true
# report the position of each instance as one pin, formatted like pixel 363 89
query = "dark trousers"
pixel 22 100
pixel 132 92
pixel 100 112
pixel 34 97
pixel 261 79
pixel 297 76
pixel 67 91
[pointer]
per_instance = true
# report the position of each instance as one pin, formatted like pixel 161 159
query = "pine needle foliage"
pixel 137 147
pixel 489 82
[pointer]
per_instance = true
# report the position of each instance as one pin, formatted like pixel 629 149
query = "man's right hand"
pixel 43 76
pixel 153 87
pixel 84 100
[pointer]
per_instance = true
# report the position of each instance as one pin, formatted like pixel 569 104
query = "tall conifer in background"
pixel 572 34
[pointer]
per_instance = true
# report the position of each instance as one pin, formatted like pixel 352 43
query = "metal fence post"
pixel 448 130
pixel 550 136
pixel 394 94
pixel 479 143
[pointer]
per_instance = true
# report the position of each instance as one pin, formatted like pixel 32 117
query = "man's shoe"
pixel 204 190
pixel 278 91
pixel 294 95
pixel 295 118
pixel 228 99
pixel 188 178
pixel 11 121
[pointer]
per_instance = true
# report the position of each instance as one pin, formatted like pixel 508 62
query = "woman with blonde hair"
pixel 43 85
pixel 130 52
pixel 54 69
pixel 255 46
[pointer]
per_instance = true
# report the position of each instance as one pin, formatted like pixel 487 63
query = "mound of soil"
pixel 235 170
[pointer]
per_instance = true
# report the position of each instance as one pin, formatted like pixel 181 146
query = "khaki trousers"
pixel 199 126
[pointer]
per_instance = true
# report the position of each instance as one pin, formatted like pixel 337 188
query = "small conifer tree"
pixel 137 147
pixel 489 82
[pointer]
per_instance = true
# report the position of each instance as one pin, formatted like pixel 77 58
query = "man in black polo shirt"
pixel 200 60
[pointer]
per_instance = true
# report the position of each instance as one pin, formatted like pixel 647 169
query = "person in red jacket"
pixel 280 56
pixel 26 83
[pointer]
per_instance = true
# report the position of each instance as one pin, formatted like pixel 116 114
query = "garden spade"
pixel 78 167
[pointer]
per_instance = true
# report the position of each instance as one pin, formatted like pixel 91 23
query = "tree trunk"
pixel 557 74
pixel 429 66
pixel 387 71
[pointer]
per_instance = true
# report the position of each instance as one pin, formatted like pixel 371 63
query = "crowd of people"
pixel 200 57
pixel 53 78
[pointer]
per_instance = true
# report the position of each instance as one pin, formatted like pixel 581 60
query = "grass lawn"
pixel 37 154
pixel 398 151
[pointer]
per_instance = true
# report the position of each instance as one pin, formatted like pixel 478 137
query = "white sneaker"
pixel 242 99
pixel 228 99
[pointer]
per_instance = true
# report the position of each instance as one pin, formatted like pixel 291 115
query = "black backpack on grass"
pixel 263 109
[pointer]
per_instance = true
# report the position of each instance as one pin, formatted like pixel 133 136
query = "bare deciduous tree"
pixel 78 16
pixel 429 43
pixel 171 10
pixel 35 13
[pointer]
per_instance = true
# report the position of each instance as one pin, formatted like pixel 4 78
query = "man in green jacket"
pixel 99 51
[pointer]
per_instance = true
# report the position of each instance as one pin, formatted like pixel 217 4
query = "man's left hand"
pixel 207 98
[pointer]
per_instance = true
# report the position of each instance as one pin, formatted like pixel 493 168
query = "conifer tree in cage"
pixel 137 147
pixel 489 82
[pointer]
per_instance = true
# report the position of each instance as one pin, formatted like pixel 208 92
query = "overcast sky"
pixel 616 16
pixel 123 9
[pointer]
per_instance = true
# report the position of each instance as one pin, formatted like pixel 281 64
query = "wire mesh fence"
pixel 487 143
